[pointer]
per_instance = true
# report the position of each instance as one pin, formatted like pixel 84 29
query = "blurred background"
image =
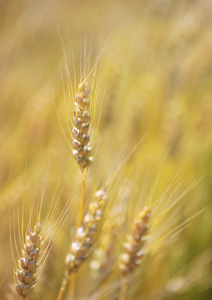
pixel 156 74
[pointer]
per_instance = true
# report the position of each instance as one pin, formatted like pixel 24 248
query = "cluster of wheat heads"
pixel 117 249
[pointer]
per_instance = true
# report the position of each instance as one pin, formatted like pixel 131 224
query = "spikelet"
pixel 86 234
pixel 133 253
pixel 81 122
pixel 28 264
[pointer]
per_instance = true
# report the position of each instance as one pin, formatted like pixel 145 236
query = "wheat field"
pixel 106 150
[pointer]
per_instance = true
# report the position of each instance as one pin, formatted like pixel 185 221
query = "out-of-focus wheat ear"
pixel 133 252
pixel 133 248
pixel 86 234
pixel 28 264
pixel 103 257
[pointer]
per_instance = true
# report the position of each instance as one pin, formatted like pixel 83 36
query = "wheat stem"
pixel 123 291
pixel 82 202
pixel 72 279
pixel 72 286
pixel 79 223
pixel 63 287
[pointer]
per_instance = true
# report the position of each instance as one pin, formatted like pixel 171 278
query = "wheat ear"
pixel 86 234
pixel 83 242
pixel 28 264
pixel 85 238
pixel 81 123
pixel 133 248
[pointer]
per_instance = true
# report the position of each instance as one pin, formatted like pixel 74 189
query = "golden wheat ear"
pixel 81 125
pixel 28 264
pixel 133 252
pixel 133 248
pixel 86 234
